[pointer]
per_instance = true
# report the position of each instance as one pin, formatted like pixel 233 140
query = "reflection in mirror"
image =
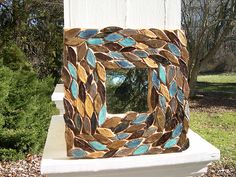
pixel 126 90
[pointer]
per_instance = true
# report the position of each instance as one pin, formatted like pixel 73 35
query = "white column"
pixel 163 14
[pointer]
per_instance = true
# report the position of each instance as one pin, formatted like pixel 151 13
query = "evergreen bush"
pixel 25 106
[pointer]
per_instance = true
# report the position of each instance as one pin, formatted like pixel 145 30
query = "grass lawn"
pixel 217 124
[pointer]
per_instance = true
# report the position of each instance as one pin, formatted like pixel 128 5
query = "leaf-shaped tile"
pixel 112 122
pixel 116 55
pixel 150 63
pixel 173 105
pixel 89 105
pixel 148 132
pixel 171 57
pixel 88 33
pixel 98 146
pixel 98 48
pixel 172 88
pixel 170 143
pixel 93 90
pixel 122 126
pixel 141 53
pixel 124 152
pixel 106 132
pixel 141 149
pixel 111 29
pixel 96 154
pixel 121 136
pixel 160 59
pixel 162 102
pixel 71 55
pixel 125 64
pixel 174 49
pixel 72 70
pixel 113 46
pixel 162 74
pixel 101 71
pixel 80 107
pixel 182 37
pixel 149 120
pixel 82 73
pixel 86 125
pixel 156 43
pixel 141 46
pixel 116 144
pixel 97 103
pixel 78 122
pixel 102 139
pixel 70 33
pixel 80 143
pixel 180 96
pixel 155 80
pixel 78 153
pixel 153 138
pixel 140 119
pixel 186 110
pixel 135 127
pixel 91 59
pixel 136 134
pixel 66 77
pixel 102 115
pixel 154 98
pixel 113 37
pixel 127 42
pixel 147 33
pixel 133 143
pixel 165 92
pixel 103 56
pixel 177 131
pixel 131 56
pixel 95 41
pixel 170 70
pixel 74 89
pixel 94 123
pixel 101 90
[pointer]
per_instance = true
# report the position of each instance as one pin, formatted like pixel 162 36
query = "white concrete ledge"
pixel 186 163
pixel 57 97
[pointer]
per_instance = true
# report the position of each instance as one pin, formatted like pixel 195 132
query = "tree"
pixel 208 24
pixel 36 27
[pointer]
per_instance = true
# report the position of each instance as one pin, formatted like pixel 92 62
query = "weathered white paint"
pixel 187 163
pixel 163 14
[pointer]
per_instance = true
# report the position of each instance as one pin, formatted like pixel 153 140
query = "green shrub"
pixel 25 106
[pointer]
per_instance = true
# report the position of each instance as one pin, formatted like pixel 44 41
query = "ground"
pixel 213 116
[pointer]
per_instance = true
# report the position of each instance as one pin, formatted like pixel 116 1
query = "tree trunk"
pixel 193 78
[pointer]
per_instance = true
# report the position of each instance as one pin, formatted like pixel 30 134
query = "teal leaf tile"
pixel 140 119
pixel 116 55
pixel 173 88
pixel 95 41
pixel 180 96
pixel 155 80
pixel 88 33
pixel 98 146
pixel 162 74
pixel 102 115
pixel 174 49
pixel 177 131
pixel 113 37
pixel 91 59
pixel 125 64
pixel 162 102
pixel 78 153
pixel 127 42
pixel 122 136
pixel 72 70
pixel 133 143
pixel 170 143
pixel 141 149
pixel 74 89
pixel 141 53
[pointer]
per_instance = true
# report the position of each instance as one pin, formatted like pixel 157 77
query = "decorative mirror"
pixel 91 132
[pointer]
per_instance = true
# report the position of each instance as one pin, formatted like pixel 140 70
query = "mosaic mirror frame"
pixel 90 131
